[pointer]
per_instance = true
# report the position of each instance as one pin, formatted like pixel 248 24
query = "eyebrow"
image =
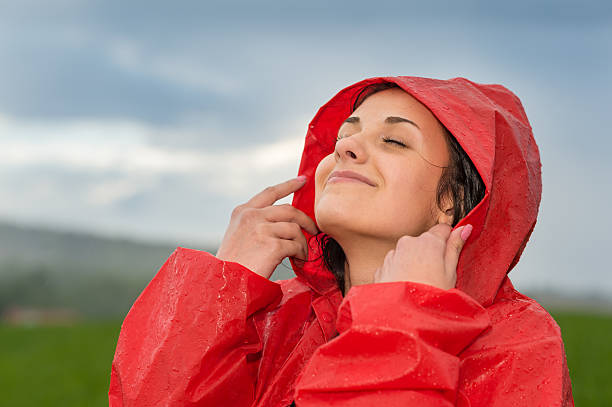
pixel 388 120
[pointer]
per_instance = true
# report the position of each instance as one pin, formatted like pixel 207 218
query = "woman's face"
pixel 397 193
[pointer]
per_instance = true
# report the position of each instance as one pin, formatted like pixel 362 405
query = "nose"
pixel 350 148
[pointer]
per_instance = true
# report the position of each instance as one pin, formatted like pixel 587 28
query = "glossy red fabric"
pixel 210 333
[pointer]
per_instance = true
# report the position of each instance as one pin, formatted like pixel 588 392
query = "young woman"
pixel 415 199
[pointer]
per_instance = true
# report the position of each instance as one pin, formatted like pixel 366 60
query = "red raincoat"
pixel 206 332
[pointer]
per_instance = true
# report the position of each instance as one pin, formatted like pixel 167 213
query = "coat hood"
pixel 491 126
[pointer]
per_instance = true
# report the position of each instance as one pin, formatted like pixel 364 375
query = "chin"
pixel 328 221
pixel 336 220
pixel 342 222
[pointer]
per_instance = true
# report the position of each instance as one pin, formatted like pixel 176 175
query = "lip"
pixel 350 176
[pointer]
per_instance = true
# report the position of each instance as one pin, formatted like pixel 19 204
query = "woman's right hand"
pixel 260 234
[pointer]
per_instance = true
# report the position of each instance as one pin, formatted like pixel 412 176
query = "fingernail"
pixel 466 231
pixel 301 178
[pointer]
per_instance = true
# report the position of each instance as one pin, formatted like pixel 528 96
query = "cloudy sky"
pixel 153 120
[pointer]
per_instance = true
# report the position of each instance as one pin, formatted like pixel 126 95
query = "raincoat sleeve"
pixel 190 339
pixel 409 344
pixel 398 345
pixel 519 362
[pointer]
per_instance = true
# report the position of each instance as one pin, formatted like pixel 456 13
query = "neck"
pixel 363 256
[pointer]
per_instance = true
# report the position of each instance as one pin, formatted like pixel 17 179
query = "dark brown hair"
pixel 459 181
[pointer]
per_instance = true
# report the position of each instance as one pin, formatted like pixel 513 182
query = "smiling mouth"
pixel 349 176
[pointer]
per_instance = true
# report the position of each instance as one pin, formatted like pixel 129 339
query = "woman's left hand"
pixel 430 258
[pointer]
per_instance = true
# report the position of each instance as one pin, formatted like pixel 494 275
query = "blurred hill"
pixel 100 277
pixel 94 276
pixel 31 247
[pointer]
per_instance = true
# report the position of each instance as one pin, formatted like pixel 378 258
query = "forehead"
pixel 397 102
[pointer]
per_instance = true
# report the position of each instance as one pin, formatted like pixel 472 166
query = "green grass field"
pixel 70 365
pixel 56 365
pixel 588 346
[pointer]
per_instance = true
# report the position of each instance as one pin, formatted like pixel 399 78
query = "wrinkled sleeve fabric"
pixel 520 362
pixel 190 338
pixel 398 345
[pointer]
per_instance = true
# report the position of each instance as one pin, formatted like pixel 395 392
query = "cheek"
pixel 411 193
pixel 324 168
pixel 410 170
pixel 418 181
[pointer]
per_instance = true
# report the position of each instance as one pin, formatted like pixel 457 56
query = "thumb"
pixel 454 245
pixel 377 275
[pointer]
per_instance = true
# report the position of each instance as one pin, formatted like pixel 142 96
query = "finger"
pixel 441 230
pixel 292 248
pixel 272 194
pixel 454 246
pixel 288 213
pixel 389 256
pixel 286 230
pixel 377 275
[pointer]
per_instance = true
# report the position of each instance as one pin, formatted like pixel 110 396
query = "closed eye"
pixel 393 141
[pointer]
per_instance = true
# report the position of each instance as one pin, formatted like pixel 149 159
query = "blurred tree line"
pixel 94 276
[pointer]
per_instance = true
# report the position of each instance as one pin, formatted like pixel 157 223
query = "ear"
pixel 445 214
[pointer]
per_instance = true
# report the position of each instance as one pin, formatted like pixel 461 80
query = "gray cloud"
pixel 199 80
